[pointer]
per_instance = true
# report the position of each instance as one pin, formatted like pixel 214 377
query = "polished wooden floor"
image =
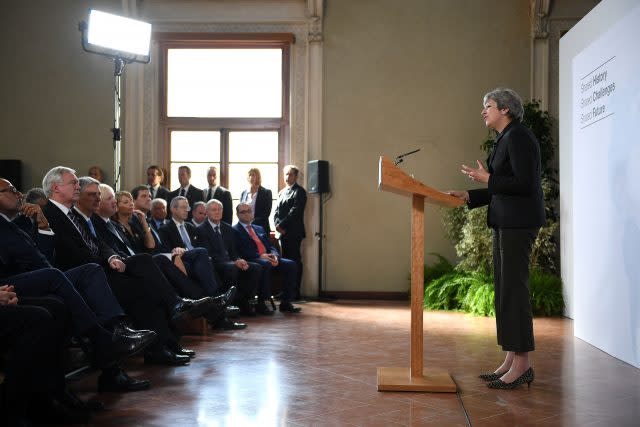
pixel 319 369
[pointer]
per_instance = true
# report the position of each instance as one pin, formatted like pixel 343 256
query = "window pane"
pixel 224 83
pixel 203 146
pixel 198 173
pixel 253 146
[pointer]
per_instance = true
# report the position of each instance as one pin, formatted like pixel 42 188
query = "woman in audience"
pixel 139 240
pixel 259 198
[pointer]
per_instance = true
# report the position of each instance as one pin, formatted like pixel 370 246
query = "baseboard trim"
pixel 365 295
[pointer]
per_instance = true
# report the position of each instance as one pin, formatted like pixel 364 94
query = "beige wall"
pixel 57 100
pixel 401 75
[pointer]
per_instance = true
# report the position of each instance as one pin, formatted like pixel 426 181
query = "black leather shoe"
pixel 230 325
pixel 121 382
pixel 165 357
pixel 287 307
pixel 232 311
pixel 226 298
pixel 186 352
pixel 261 308
pixel 124 330
pixel 120 347
pixel 196 308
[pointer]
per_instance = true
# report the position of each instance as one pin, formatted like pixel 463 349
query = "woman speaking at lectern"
pixel 512 189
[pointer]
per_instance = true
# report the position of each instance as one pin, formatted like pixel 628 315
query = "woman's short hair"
pixel 506 98
pixel 256 172
pixel 121 194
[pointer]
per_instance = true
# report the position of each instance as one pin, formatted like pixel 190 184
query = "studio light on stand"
pixel 124 40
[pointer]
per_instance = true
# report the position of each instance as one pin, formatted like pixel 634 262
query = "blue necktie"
pixel 185 237
pixel 91 228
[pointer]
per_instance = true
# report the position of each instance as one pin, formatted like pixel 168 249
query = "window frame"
pixel 225 125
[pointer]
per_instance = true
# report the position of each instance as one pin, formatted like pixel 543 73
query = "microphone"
pixel 400 158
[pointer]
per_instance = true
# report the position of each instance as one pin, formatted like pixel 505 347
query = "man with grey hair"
pixel 76 245
pixel 29 253
pixel 217 237
pixel 179 233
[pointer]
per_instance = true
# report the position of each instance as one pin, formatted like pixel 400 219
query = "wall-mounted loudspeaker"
pixel 318 176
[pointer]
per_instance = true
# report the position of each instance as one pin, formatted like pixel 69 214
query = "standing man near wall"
pixel 220 193
pixel 289 219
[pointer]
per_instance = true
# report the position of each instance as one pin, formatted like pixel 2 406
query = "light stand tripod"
pixel 119 65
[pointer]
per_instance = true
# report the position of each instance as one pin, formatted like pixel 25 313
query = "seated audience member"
pixel 220 193
pixel 155 177
pixel 36 196
pixel 96 173
pixel 139 286
pixel 34 333
pixel 253 245
pixel 217 238
pixel 25 255
pixel 190 273
pixel 158 213
pixel 179 233
pixel 192 193
pixel 198 214
pixel 259 198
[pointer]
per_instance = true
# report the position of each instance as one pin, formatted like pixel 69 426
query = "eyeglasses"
pixel 245 211
pixel 12 189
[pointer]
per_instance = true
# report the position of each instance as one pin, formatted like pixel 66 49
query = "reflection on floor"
pixel 319 369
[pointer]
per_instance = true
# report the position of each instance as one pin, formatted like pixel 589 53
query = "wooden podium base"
pixel 399 379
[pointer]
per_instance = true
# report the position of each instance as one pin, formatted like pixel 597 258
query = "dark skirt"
pixel 511 257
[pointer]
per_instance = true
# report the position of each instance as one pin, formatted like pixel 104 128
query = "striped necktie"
pixel 84 233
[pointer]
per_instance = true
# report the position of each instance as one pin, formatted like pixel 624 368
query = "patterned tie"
pixel 256 239
pixel 182 192
pixel 112 229
pixel 86 236
pixel 185 237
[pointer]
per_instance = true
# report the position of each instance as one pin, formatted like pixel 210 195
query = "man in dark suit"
pixel 217 237
pixel 23 265
pixel 155 176
pixel 158 213
pixel 253 245
pixel 220 193
pixel 289 219
pixel 196 281
pixel 192 193
pixel 136 282
pixel 179 233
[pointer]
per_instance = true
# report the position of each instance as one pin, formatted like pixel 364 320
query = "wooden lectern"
pixel 416 378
